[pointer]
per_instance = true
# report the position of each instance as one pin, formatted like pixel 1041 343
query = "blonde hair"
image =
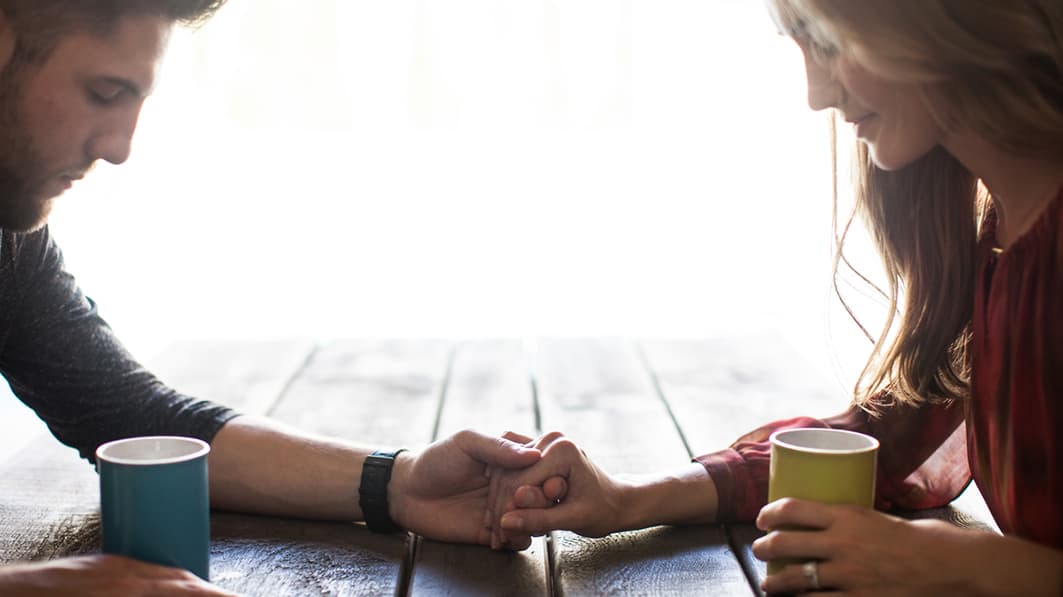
pixel 992 68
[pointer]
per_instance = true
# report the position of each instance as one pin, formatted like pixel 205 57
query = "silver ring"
pixel 811 572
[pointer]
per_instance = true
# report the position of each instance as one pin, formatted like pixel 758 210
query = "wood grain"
pixel 723 387
pixel 382 393
pixel 50 505
pixel 600 391
pixel 634 407
pixel 372 392
pixel 275 556
pixel 247 376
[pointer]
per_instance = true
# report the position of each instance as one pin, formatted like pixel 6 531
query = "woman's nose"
pixel 823 90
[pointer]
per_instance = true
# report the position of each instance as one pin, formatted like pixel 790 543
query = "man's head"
pixel 73 77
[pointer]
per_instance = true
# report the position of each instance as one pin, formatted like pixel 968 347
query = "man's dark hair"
pixel 39 24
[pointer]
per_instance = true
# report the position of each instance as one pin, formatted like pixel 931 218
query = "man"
pixel 73 77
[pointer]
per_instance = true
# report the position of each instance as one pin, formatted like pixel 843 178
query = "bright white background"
pixel 468 168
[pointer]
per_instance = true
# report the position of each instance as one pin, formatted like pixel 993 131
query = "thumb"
pixel 497 450
pixel 555 488
pixel 534 521
pixel 531 496
pixel 551 492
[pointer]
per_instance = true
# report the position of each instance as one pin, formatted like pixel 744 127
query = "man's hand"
pixel 441 493
pixel 102 575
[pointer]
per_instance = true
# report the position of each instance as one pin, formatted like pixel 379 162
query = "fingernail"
pixel 512 523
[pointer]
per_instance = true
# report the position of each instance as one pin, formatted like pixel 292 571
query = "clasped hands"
pixel 562 490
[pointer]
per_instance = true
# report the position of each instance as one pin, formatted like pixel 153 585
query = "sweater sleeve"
pixel 65 362
pixel 922 461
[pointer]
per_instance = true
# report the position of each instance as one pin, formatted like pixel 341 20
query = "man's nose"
pixel 114 141
pixel 823 91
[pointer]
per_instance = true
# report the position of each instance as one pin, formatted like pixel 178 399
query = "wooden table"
pixel 635 406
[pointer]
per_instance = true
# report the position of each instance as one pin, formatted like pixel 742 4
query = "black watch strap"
pixel 373 491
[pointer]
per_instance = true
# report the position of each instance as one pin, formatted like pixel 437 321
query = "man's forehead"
pixel 131 51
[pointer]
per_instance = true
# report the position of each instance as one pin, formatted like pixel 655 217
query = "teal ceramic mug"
pixel 154 501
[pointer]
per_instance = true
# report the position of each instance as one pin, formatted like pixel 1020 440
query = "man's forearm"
pixel 262 467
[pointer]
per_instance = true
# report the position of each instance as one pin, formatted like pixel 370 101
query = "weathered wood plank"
pixel 723 387
pixel 600 391
pixel 371 392
pixel 490 390
pixel 279 556
pixel 50 506
pixel 247 376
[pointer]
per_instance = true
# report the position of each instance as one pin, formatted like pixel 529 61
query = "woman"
pixel 958 108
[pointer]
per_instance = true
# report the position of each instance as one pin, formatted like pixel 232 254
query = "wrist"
pixel 374 491
pixel 398 489
pixel 686 496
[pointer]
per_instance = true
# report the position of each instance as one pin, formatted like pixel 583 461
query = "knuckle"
pixel 462 438
pixel 566 446
pixel 768 545
pixel 787 506
pixel 551 436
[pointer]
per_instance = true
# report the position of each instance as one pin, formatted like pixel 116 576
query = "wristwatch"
pixel 373 491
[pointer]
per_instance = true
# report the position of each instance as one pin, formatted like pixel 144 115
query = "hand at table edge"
pixel 101 575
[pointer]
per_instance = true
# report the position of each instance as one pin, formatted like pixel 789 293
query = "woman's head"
pixel 927 70
pixel 921 77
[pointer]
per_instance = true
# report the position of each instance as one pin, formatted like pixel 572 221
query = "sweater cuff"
pixel 726 468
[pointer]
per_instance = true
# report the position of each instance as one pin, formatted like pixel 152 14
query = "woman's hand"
pixel 863 552
pixel 564 490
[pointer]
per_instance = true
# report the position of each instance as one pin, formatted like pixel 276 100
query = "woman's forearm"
pixel 1012 566
pixel 684 496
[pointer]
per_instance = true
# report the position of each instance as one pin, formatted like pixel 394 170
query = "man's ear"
pixel 7 40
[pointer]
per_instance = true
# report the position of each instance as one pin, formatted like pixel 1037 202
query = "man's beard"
pixel 24 205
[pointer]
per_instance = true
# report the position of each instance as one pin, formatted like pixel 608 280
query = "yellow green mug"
pixel 833 466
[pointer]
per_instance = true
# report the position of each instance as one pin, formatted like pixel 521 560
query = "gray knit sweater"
pixel 65 362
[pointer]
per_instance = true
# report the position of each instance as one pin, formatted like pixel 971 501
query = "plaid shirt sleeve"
pixel 922 458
